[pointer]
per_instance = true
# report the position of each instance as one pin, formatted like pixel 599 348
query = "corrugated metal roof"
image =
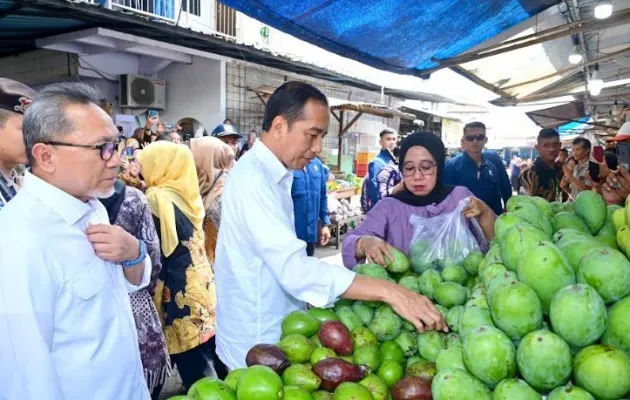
pixel 542 71
pixel 555 116
pixel 367 108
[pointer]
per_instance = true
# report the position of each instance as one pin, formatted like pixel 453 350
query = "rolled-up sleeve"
pixel 374 224
pixel 146 277
pixel 305 278
pixel 27 308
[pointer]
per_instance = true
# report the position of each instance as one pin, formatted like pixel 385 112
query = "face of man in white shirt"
pixel 79 171
pixel 297 145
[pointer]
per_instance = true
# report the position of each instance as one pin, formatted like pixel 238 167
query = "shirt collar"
pixel 68 207
pixel 388 156
pixel 468 158
pixel 271 163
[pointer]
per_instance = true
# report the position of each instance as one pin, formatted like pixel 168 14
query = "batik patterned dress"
pixel 186 294
pixel 134 217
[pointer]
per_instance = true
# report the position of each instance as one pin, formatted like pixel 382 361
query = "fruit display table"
pixel 345 225
pixel 562 339
pixel 345 193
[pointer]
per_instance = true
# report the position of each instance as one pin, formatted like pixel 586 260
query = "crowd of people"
pixel 121 258
pixel 556 174
pixel 153 251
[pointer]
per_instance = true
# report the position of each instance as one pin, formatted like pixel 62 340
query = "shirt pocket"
pixel 90 281
pixel 489 174
pixel 299 184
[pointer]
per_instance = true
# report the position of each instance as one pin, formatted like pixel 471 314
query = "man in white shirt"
pixel 262 271
pixel 66 327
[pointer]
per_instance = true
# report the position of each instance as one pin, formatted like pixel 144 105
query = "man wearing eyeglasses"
pixel 66 325
pixel 482 172
pixel 14 100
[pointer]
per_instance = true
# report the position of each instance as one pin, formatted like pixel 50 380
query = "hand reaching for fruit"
pixel 376 250
pixel 415 308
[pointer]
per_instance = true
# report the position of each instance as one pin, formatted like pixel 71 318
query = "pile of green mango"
pixel 545 312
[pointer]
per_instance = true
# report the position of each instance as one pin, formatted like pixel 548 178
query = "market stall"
pixel 514 311
pixel 345 212
pixel 339 109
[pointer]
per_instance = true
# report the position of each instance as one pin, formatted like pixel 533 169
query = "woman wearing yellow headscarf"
pixel 185 294
pixel 213 160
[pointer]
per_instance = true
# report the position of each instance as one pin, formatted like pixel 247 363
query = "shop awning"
pixel 402 36
pixel 264 91
pixel 556 116
pixel 367 108
pixel 412 107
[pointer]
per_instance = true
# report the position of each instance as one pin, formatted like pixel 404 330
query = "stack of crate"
pixel 362 161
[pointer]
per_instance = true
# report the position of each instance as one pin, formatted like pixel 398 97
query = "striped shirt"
pixel 8 187
pixel 387 178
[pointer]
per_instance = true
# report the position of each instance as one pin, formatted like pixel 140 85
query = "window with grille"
pixel 246 109
pixel 192 7
pixel 225 18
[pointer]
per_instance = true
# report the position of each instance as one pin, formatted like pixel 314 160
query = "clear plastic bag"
pixel 445 239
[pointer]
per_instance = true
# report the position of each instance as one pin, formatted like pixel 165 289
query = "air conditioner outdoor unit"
pixel 142 92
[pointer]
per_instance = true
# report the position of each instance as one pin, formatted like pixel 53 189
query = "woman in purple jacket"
pixel 422 157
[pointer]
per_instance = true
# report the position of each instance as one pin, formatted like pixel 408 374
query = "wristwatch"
pixel 141 257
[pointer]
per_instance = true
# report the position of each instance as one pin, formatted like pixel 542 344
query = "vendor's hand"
pixel 324 236
pixel 376 250
pixel 416 309
pixel 112 243
pixel 476 208
pixel 617 187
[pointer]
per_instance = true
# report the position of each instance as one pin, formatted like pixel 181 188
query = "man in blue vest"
pixel 310 204
pixel 388 141
pixel 482 172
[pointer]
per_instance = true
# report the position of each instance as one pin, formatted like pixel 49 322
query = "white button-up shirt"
pixel 66 327
pixel 261 270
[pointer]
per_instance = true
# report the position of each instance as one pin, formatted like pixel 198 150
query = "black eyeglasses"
pixel 426 168
pixel 106 149
pixel 480 138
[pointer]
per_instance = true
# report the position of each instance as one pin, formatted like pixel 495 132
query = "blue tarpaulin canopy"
pixel 575 127
pixel 402 36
